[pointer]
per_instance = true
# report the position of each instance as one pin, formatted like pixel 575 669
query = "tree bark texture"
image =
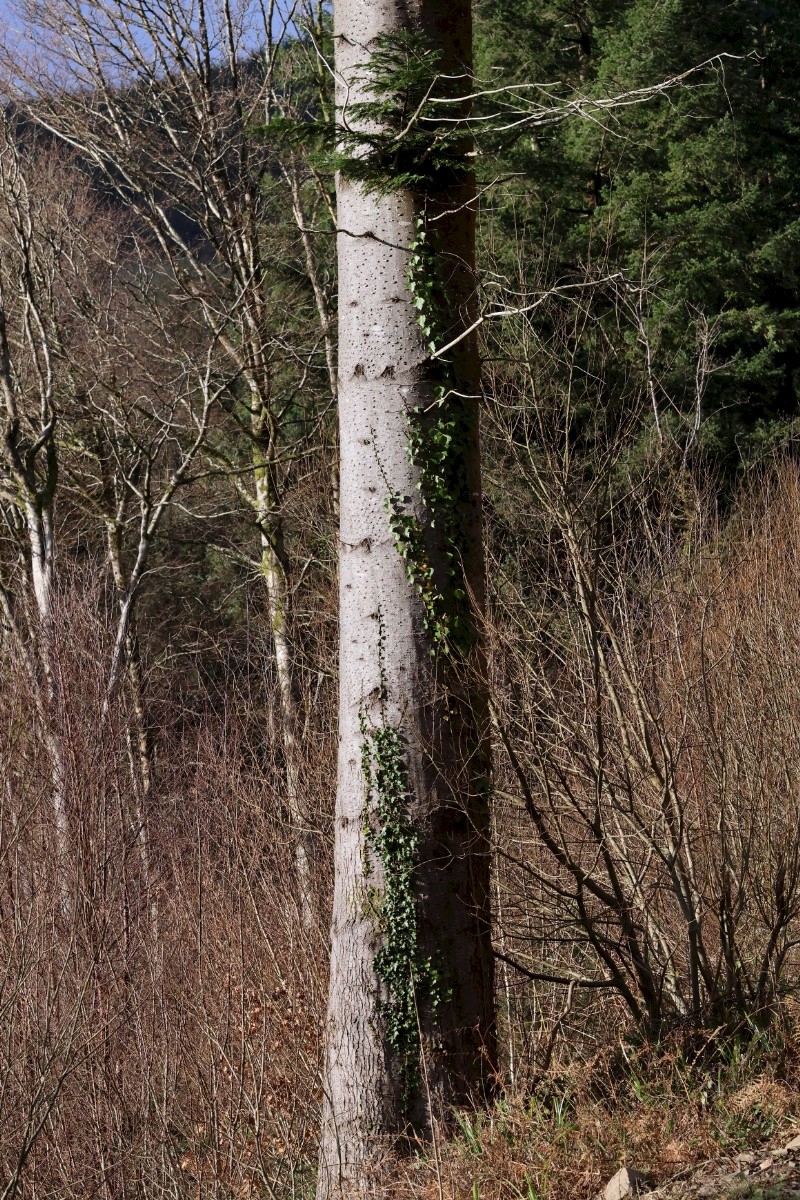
pixel 274 575
pixel 390 675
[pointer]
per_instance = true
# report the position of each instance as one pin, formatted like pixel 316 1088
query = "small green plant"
pixel 530 1192
pixel 411 979
pixel 471 1128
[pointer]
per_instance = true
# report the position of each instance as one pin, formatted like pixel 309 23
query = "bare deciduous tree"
pixel 640 777
pixel 164 107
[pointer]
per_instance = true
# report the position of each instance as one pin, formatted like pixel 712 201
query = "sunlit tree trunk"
pixel 273 571
pixel 139 743
pixel 29 463
pixel 390 677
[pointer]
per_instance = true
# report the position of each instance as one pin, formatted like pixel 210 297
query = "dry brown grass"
pixel 658 1109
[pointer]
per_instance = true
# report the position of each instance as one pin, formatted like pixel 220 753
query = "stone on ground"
pixel 625 1184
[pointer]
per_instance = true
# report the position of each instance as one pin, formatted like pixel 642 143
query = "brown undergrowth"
pixel 661 1109
pixel 161 998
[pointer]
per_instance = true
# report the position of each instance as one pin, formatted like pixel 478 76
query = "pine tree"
pixel 697 192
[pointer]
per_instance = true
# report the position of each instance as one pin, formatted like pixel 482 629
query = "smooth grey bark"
pixel 384 373
pixel 273 572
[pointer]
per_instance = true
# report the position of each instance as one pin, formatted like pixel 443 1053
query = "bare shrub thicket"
pixel 171 1057
pixel 164 108
pixel 644 667
pixel 160 994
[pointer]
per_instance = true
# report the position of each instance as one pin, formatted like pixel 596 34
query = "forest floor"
pixel 772 1174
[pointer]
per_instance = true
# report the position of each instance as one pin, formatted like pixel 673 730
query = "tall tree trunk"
pixel 41 540
pixel 274 575
pixel 410 1017
pixel 140 748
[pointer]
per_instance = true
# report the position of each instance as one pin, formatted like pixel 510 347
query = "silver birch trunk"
pixel 41 540
pixel 388 673
pixel 323 312
pixel 29 469
pixel 139 746
pixel 274 575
